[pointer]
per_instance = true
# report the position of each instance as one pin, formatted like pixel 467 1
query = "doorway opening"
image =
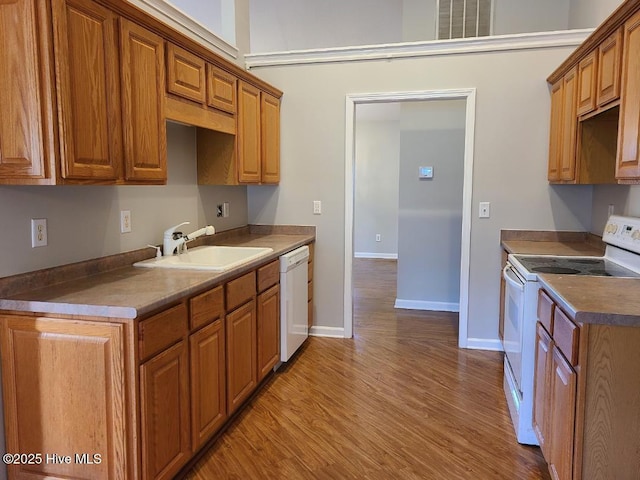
pixel 468 98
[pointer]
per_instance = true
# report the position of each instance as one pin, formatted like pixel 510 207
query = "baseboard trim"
pixel 484 344
pixel 423 305
pixel 333 332
pixel 389 256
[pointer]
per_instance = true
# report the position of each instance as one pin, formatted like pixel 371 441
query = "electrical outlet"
pixel 125 221
pixel 38 232
pixel 317 207
pixel 378 237
pixel 225 209
pixel 485 210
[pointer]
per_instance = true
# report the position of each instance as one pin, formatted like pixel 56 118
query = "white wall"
pixel 84 221
pixel 278 25
pixel 511 148
pixel 523 16
pixel 376 181
pixel 590 13
pixel 430 223
pixel 282 25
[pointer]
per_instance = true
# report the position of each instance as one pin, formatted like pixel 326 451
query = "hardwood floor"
pixel 398 401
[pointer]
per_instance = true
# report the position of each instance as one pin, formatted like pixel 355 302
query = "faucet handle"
pixel 168 233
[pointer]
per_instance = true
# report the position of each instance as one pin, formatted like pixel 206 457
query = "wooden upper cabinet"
pixel 88 76
pixel 270 138
pixel 27 153
pixel 609 59
pixel 628 161
pixel 248 137
pixel 143 104
pixel 555 131
pixel 185 74
pixel 221 89
pixel 569 127
pixel 587 82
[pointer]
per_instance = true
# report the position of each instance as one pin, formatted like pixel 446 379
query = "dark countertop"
pixel 597 300
pixel 586 299
pixel 129 292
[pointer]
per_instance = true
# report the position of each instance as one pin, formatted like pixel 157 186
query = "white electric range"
pixel 621 259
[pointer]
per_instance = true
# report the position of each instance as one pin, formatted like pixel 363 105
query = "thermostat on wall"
pixel 425 172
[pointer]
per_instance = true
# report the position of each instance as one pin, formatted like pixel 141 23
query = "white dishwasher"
pixel 294 328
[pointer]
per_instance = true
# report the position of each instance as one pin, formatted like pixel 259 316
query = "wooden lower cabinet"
pixel 164 405
pixel 542 407
pixel 63 384
pixel 241 355
pixel 208 382
pixel 268 330
pixel 587 397
pixel 563 414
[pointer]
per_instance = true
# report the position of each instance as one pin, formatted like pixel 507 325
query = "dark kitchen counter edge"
pixel 111 288
pixel 595 300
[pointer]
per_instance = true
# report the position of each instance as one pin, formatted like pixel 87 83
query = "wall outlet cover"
pixel 39 232
pixel 125 221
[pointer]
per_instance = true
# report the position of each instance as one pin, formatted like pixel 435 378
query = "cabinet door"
pixel 609 56
pixel 185 74
pixel 143 98
pixel 542 390
pixel 84 407
pixel 270 138
pixel 628 166
pixel 555 131
pixel 268 330
pixel 221 89
pixel 587 82
pixel 26 94
pixel 241 355
pixel 164 405
pixel 563 413
pixel 248 133
pixel 88 80
pixel 569 126
pixel 208 386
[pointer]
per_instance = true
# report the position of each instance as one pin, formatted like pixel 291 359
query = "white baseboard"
pixel 422 305
pixel 333 332
pixel 389 256
pixel 484 344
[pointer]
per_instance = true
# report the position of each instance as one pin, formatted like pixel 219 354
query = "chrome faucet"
pixel 176 242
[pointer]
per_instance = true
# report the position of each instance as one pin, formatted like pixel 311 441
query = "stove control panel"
pixel 623 232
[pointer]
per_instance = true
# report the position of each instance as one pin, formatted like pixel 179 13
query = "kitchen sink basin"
pixel 213 258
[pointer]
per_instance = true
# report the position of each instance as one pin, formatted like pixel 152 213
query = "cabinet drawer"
pixel 185 74
pixel 207 307
pixel 241 290
pixel 160 331
pixel 221 89
pixel 545 310
pixel 565 335
pixel 268 275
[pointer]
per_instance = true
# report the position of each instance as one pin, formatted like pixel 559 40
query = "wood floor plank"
pixel 398 401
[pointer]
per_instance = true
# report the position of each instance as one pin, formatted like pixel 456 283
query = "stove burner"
pixel 569 271
pixel 600 273
pixel 586 261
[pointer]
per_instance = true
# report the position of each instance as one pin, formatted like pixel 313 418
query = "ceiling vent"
pixel 464 18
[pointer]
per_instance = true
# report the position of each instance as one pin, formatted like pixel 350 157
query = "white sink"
pixel 214 258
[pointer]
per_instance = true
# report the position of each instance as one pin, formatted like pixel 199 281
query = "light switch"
pixel 485 210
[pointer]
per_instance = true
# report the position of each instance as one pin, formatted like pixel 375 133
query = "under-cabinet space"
pixel 216 154
pixel 597 147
